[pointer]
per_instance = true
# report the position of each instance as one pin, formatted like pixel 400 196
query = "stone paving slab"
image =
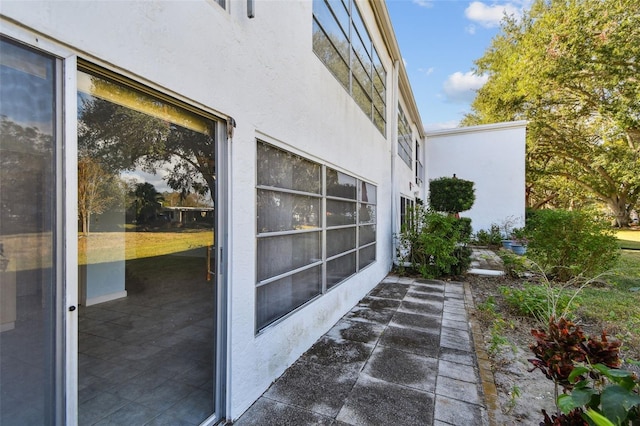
pixel 404 355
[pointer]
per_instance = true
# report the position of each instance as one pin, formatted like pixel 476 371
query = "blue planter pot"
pixel 506 244
pixel 518 249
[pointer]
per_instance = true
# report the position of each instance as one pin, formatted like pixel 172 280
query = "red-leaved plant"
pixel 587 370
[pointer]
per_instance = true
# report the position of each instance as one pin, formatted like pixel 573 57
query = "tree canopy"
pixel 571 68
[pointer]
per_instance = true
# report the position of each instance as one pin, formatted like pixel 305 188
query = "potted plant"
pixel 519 241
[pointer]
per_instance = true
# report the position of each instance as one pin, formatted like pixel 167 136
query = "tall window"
pixel 342 42
pixel 404 137
pixel 407 206
pixel 419 166
pixel 29 241
pixel 316 227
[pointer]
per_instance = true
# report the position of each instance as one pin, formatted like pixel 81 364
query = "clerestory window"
pixel 342 42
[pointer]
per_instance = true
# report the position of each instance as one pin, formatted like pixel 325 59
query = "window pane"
pixel 368 193
pixel 285 170
pixel 27 235
pixel 340 185
pixel 341 268
pixel 278 255
pixel 330 56
pixel 367 256
pixel 367 213
pixel 362 98
pixel 329 26
pixel 279 211
pixel 340 240
pixel 361 73
pixel 362 31
pixel 378 120
pixel 340 213
pixel 278 298
pixel 342 14
pixel 367 234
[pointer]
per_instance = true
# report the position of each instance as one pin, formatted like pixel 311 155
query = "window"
pixel 419 166
pixel 407 206
pixel 342 42
pixel 404 138
pixel 316 228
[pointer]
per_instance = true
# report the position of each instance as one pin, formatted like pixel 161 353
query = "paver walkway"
pixel 403 356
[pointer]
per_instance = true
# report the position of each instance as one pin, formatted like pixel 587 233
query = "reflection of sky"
pixel 27 87
pixel 140 176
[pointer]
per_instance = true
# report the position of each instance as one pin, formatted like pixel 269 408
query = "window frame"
pixel 353 250
pixel 357 34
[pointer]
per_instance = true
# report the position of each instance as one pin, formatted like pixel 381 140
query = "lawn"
pixel 100 247
pixel 629 239
pixel 616 307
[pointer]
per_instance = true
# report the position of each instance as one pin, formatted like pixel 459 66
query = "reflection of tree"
pixel 25 168
pixel 146 203
pixel 178 199
pixel 95 190
pixel 125 139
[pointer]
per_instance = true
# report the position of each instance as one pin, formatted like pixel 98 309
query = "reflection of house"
pixel 187 214
pixel 299 120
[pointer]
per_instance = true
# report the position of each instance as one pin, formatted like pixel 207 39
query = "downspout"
pixel 394 152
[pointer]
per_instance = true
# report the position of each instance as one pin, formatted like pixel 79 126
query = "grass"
pixel 629 239
pixel 616 307
pixel 100 247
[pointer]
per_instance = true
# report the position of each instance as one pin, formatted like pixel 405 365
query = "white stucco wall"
pixel 264 74
pixel 492 156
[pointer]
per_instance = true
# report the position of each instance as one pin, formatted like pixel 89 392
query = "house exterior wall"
pixel 492 156
pixel 263 73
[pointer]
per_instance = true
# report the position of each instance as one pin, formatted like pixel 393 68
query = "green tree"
pixel 571 68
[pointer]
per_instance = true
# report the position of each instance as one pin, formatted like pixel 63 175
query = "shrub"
pixel 492 237
pixel 464 225
pixel 567 244
pixel 451 195
pixel 433 245
pixel 514 265
pixel 536 301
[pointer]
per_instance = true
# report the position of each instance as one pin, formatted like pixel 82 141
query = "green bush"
pixel 492 237
pixel 451 195
pixel 464 224
pixel 536 300
pixel 568 244
pixel 514 265
pixel 433 245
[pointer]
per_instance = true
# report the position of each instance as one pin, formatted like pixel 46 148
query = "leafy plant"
pixel 595 390
pixel 570 244
pixel 451 194
pixel 537 301
pixel 433 245
pixel 491 237
pixel 514 265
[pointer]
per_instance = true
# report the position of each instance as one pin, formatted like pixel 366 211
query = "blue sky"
pixel 439 41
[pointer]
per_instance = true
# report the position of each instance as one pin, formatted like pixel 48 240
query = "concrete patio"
pixel 405 355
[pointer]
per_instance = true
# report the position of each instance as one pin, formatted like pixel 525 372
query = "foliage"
pixel 537 301
pixel 570 69
pixel 514 265
pixel 451 195
pixel 464 223
pixel 568 244
pixel 611 395
pixel 491 237
pixel 595 390
pixel 97 190
pixel 432 245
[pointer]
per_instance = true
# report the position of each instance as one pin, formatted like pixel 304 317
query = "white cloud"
pixel 461 87
pixel 423 3
pixel 490 16
pixel 471 29
pixel 427 71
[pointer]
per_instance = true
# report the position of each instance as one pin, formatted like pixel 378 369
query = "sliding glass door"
pixel 29 288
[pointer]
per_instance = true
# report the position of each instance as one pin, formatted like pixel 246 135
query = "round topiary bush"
pixel 451 195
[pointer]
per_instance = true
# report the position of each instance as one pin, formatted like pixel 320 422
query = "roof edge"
pixel 480 128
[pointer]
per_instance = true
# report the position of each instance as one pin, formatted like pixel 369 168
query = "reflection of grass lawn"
pixel 101 247
pixel 629 239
